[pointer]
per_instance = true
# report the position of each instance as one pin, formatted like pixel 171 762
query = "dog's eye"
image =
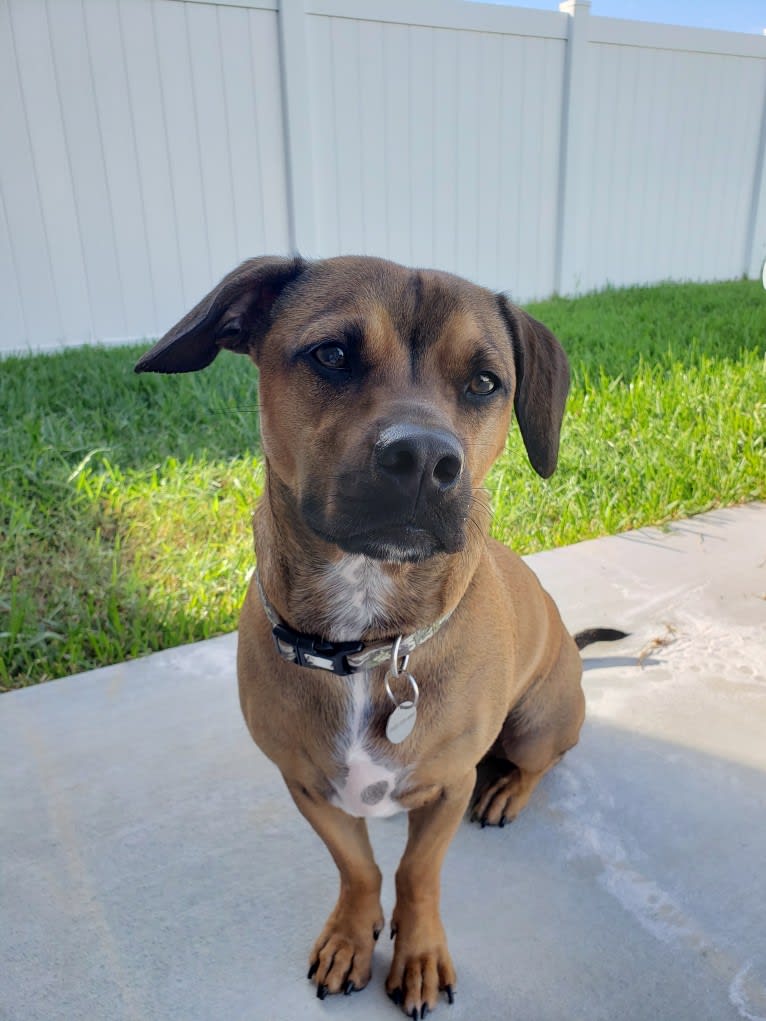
pixel 229 330
pixel 331 356
pixel 483 384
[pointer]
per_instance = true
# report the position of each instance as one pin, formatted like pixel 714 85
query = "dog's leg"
pixel 341 959
pixel 535 736
pixel 422 964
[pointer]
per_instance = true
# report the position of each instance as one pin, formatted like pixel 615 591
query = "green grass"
pixel 125 501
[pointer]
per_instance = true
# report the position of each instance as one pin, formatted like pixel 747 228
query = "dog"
pixel 389 651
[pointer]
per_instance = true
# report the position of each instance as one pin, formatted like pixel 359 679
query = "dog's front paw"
pixel 341 959
pixel 421 968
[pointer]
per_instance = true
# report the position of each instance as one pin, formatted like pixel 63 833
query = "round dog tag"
pixel 401 721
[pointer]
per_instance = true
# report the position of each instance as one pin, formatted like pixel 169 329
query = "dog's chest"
pixel 355 595
pixel 366 782
pixel 356 592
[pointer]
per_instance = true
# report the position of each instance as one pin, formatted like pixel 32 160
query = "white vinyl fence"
pixel 146 146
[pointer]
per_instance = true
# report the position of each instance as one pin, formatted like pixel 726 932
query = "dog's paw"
pixel 420 970
pixel 341 959
pixel 499 799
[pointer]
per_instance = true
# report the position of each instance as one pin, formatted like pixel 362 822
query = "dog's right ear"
pixel 235 316
pixel 542 383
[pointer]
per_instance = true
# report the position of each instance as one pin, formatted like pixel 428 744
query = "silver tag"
pixel 401 721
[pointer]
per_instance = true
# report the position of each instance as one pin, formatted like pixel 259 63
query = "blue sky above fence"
pixel 729 15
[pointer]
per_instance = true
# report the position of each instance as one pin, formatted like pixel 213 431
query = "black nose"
pixel 413 455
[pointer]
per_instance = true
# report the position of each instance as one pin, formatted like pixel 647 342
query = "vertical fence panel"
pixel 445 142
pixel 488 157
pixel 468 115
pixel 324 181
pixel 512 89
pixel 212 135
pixel 11 315
pixel 423 137
pixel 143 132
pixel 756 242
pixel 576 127
pixel 243 144
pixel 294 56
pixel 174 43
pixel 52 180
pixel 343 71
pixel 640 182
pixel 29 305
pixel 84 154
pixel 125 199
pixel 425 170
pixel 672 148
pixel 265 89
pixel 396 91
pixel 373 139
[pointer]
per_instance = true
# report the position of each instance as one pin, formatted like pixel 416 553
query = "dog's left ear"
pixel 542 384
pixel 234 316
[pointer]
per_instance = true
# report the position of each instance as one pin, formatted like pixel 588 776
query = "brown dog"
pixel 386 394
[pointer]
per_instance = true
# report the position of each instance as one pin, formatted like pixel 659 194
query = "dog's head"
pixel 386 393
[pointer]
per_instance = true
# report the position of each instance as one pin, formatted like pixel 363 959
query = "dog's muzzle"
pixel 419 461
pixel 409 501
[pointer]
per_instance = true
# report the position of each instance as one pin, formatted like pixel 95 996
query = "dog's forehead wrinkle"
pixel 426 316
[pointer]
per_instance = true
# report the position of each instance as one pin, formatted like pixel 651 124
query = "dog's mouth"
pixel 397 543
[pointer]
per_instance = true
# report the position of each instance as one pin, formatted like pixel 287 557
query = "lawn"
pixel 125 500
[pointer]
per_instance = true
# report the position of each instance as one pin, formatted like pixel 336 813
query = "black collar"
pixel 341 658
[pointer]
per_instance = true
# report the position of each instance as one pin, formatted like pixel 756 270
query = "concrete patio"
pixel 153 866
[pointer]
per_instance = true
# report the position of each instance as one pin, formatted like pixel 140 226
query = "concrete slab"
pixel 153 867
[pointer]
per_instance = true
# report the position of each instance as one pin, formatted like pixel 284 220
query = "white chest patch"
pixel 366 785
pixel 356 593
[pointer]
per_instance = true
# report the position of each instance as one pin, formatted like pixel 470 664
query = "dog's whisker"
pixel 479 531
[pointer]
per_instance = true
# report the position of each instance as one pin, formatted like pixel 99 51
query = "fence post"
pixel 293 54
pixel 572 163
pixel 755 251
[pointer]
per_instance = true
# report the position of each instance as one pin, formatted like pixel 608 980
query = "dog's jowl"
pixel 389 651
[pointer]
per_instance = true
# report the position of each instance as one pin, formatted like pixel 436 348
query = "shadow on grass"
pixel 120 499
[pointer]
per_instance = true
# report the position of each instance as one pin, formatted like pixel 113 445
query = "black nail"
pixel 450 994
pixel 502 822
pixel 313 969
pixel 376 934
pixel 321 992
pixel 414 1014
pixel 350 988
pixel 393 931
pixel 483 821
pixel 395 996
pixel 424 1011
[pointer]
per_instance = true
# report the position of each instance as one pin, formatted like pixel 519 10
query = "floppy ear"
pixel 542 383
pixel 235 315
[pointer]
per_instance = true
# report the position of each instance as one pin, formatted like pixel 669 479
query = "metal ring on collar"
pixel 395 669
pixel 413 684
